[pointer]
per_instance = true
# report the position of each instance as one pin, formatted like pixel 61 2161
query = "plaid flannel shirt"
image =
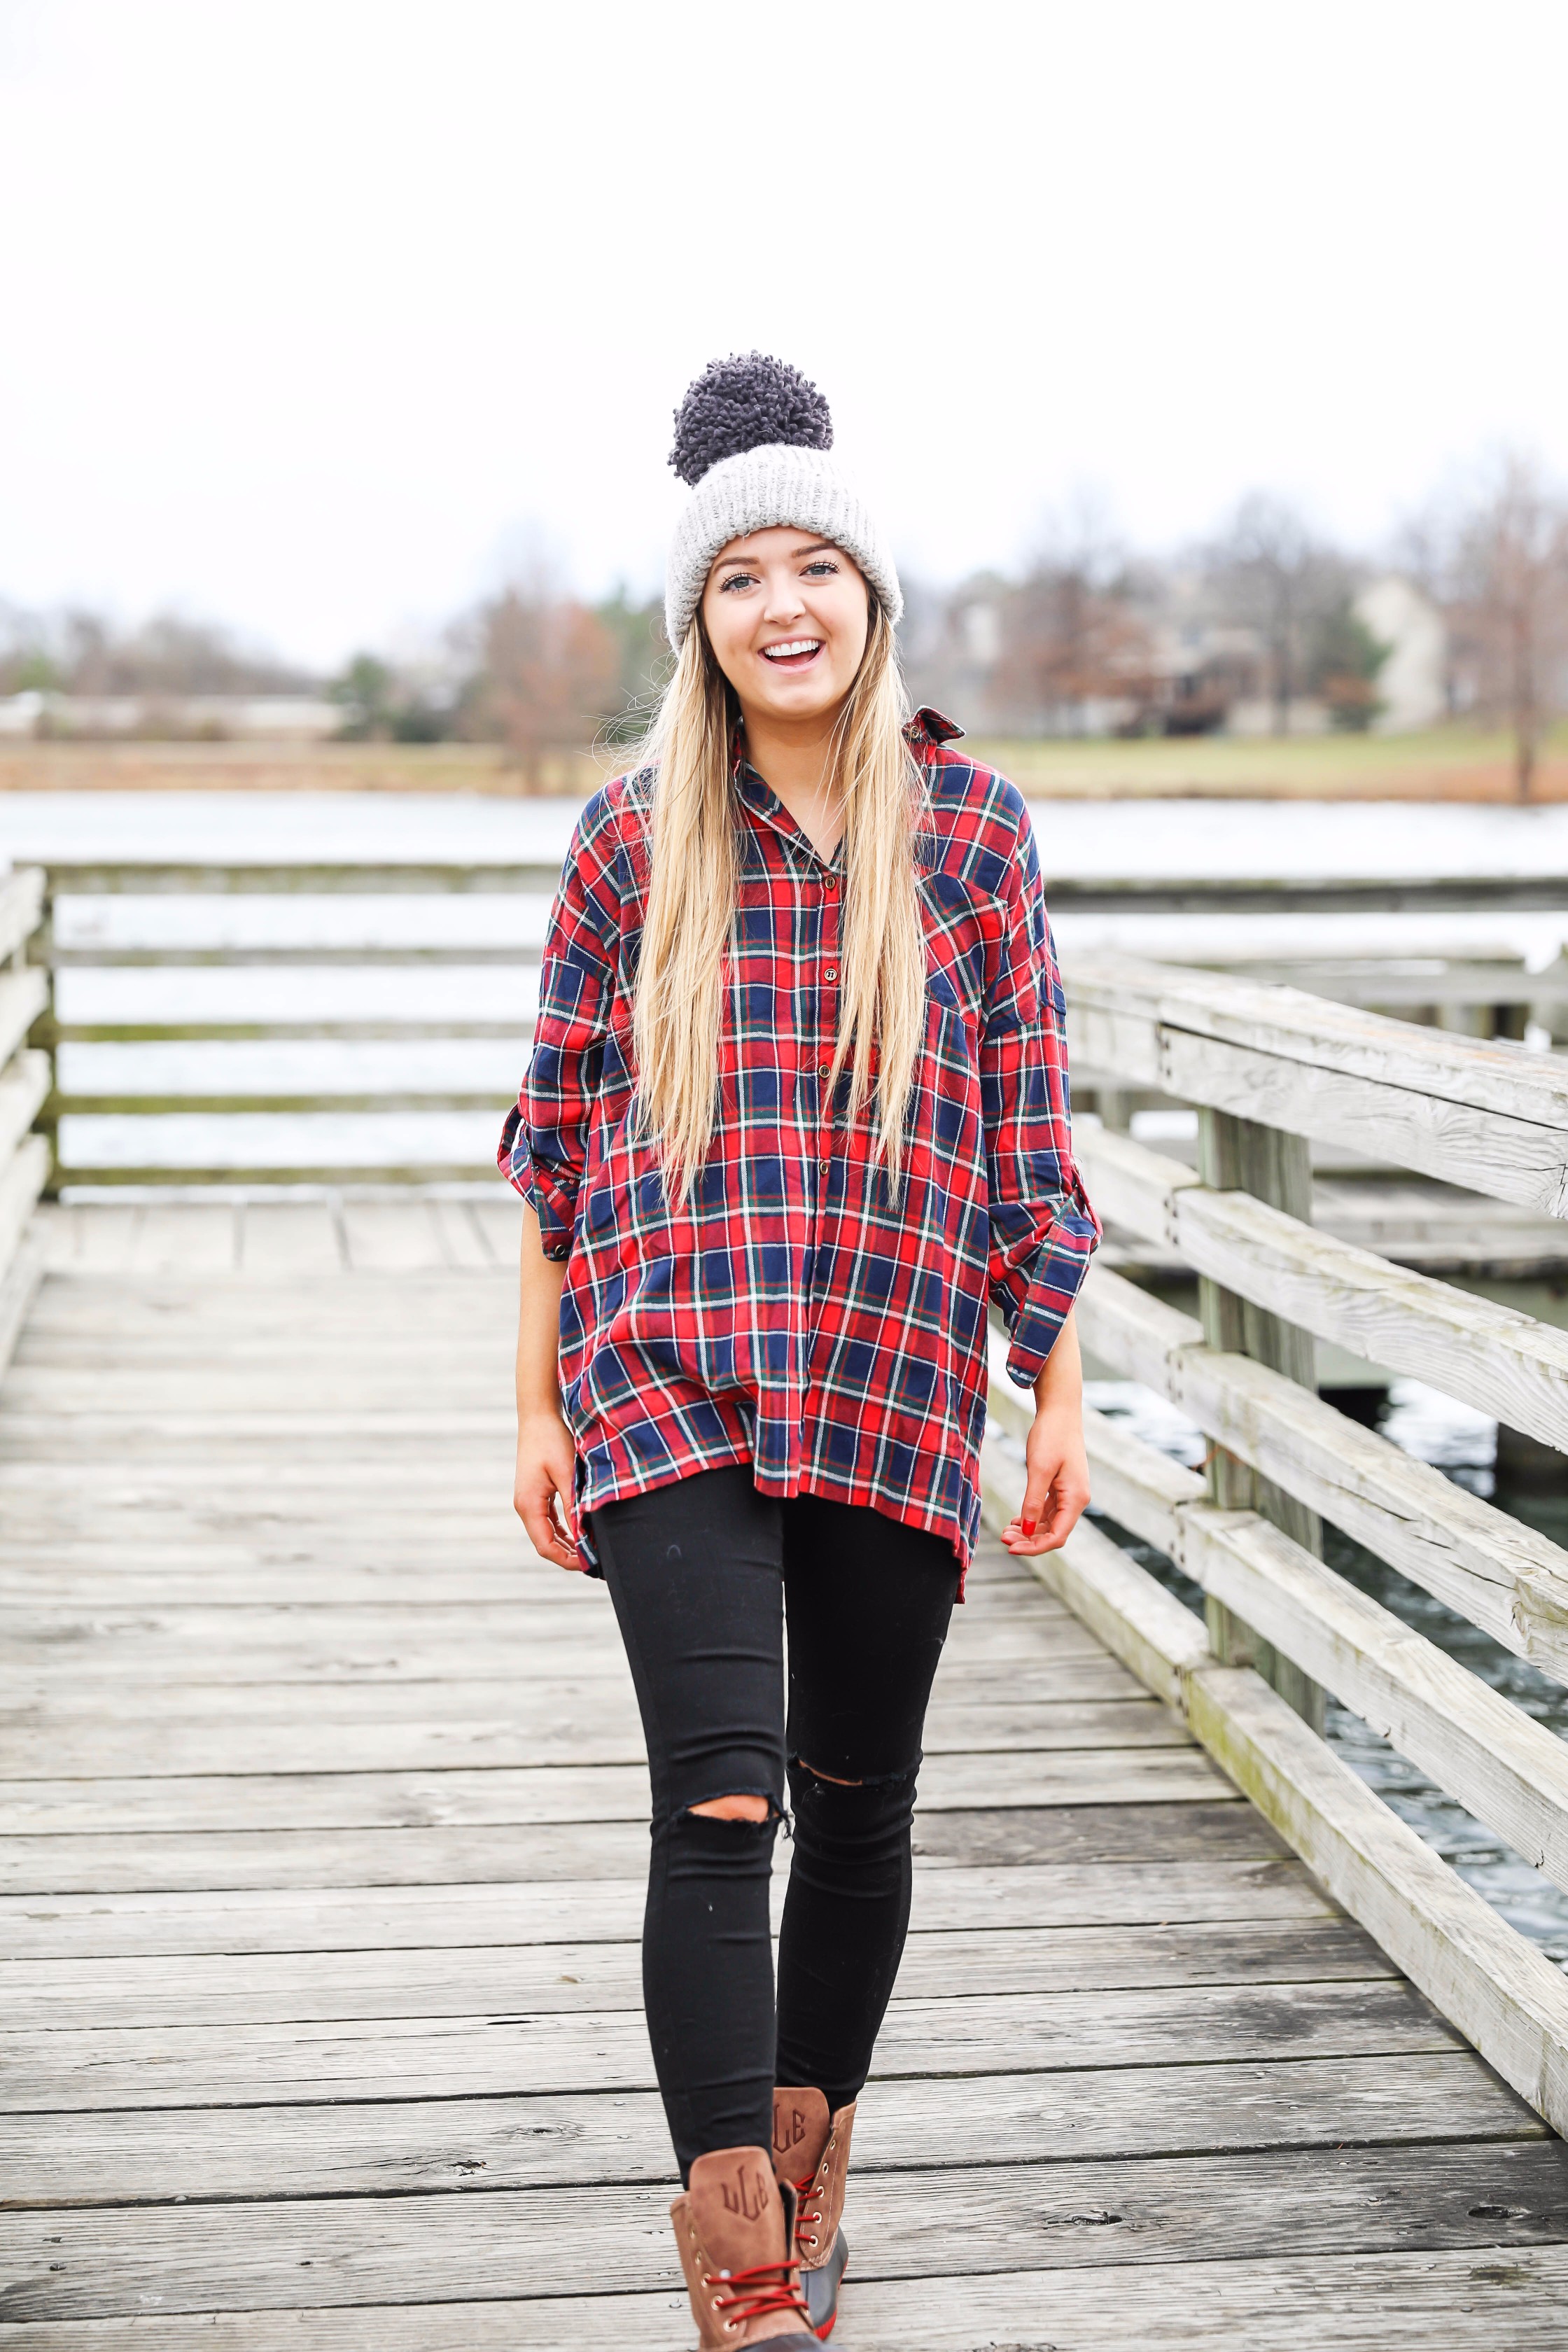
pixel 791 1316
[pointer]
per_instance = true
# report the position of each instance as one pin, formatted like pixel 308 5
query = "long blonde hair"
pixel 688 797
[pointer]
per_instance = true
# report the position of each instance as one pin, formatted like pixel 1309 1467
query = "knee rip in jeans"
pixel 871 1780
pixel 742 1805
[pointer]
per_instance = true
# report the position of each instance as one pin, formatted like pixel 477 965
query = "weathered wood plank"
pixel 1055 2217
pixel 1490 1114
pixel 22 1179
pixel 34 1706
pixel 391 1236
pixel 581 1726
pixel 1326 2302
pixel 537 1979
pixel 606 1792
pixel 24 1087
pixel 1490 1355
pixel 1502 1993
pixel 125 2156
pixel 489 2055
pixel 1505 1577
pixel 1085 1895
pixel 21 907
pixel 404 1650
pixel 199 1862
pixel 24 995
pixel 297 1239
pixel 1509 1770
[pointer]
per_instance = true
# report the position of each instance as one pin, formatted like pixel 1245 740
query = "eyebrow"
pixel 817 547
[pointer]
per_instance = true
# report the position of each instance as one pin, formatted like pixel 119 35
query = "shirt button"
pixel 830 971
pixel 822 1167
pixel 823 1069
pixel 830 881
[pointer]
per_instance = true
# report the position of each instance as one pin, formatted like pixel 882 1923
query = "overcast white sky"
pixel 315 311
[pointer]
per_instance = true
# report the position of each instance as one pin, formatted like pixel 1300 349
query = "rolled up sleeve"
pixel 543 1147
pixel 1043 1229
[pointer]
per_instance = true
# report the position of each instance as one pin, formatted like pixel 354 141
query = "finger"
pixel 1068 1504
pixel 1036 1492
pixel 533 1509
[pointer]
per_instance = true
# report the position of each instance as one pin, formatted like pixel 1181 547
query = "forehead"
pixel 779 542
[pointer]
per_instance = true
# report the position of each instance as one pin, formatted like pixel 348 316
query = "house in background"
pixel 1413 683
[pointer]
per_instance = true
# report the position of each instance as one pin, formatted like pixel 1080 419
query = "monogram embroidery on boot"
pixel 793 2135
pixel 750 2195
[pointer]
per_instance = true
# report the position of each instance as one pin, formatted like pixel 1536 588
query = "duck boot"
pixel 735 2230
pixel 810 2155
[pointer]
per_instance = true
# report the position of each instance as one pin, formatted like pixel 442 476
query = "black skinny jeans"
pixel 703 1574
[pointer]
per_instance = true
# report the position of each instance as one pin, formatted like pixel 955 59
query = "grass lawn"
pixel 1450 763
pixel 1457 763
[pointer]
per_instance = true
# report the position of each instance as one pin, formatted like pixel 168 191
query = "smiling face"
pixel 786 615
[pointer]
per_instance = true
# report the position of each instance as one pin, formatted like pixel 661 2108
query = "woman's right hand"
pixel 543 1489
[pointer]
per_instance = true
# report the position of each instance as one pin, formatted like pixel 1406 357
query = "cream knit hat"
pixel 751 436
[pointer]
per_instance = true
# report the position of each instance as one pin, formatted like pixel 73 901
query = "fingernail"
pixel 1029 1526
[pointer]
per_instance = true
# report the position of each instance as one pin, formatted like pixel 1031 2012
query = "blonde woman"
pixel 796 1113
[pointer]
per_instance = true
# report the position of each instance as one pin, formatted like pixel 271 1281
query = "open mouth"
pixel 794 653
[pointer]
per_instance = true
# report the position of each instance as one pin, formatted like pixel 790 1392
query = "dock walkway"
pixel 323 1830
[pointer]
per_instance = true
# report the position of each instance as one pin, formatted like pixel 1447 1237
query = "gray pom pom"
pixel 749 402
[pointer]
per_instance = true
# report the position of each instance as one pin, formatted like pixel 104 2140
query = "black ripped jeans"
pixel 704 1575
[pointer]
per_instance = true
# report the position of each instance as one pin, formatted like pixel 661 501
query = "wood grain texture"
pixel 1458 2300
pixel 948 1895
pixel 489 2054
pixel 1505 1577
pixel 545 1978
pixel 1501 1992
pixel 323 1834
pixel 1487 1354
pixel 1050 2217
pixel 149 2155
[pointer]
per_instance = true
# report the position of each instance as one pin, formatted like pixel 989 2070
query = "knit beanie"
pixel 751 436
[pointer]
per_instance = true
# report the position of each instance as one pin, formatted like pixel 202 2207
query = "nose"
pixel 783 601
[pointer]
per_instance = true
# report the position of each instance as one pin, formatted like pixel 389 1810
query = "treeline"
pixel 1266 625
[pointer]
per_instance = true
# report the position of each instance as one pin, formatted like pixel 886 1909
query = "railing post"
pixel 1240 1155
pixel 39 949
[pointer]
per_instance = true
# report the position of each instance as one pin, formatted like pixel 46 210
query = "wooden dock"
pixel 323 1830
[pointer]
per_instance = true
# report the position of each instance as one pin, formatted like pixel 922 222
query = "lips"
pixel 792 653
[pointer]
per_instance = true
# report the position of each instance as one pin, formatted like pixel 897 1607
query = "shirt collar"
pixel 927 730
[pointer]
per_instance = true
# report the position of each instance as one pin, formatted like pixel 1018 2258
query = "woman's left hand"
pixel 1057 1487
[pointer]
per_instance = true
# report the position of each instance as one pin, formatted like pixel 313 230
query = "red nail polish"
pixel 1029 1526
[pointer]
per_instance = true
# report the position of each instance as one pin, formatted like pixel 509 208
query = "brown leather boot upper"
pixel 811 2151
pixel 735 2228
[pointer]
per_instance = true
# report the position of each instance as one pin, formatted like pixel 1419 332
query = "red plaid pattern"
pixel 790 1317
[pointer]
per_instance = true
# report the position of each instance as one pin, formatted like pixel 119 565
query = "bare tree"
pixel 1070 633
pixel 1511 583
pixel 1270 574
pixel 547 675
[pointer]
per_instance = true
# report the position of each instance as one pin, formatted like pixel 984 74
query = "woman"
pixel 796 1110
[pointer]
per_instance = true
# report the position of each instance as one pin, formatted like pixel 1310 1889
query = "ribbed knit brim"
pixel 762 487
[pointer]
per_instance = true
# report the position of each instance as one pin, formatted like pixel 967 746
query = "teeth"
pixel 800 646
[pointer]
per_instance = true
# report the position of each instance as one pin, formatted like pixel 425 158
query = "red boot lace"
pixel 803 2189
pixel 770 2287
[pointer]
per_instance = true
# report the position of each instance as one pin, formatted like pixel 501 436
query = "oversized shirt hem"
pixel 599 1484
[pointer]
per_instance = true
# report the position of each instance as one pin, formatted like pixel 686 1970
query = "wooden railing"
pixel 276 1024
pixel 348 1023
pixel 264 997
pixel 1270 1070
pixel 24 1089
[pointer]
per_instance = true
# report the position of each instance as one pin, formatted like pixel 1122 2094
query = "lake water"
pixel 1085 841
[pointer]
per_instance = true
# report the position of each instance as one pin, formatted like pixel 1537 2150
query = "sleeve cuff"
pixel 554 1203
pixel 1036 1296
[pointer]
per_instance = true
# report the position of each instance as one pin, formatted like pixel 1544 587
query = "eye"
pixel 821 567
pixel 737 580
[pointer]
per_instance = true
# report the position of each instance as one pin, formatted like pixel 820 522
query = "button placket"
pixel 826 997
